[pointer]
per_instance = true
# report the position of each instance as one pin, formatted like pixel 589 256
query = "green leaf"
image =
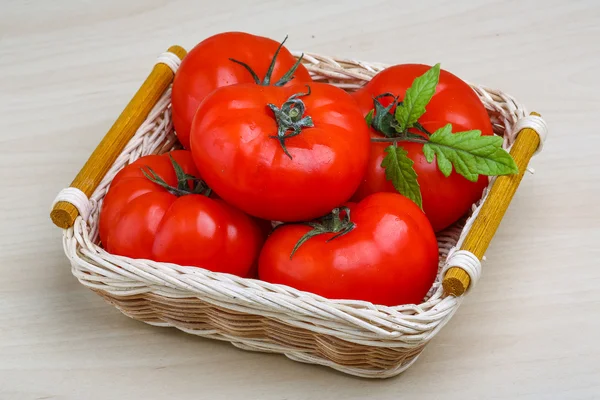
pixel 399 169
pixel 369 117
pixel 469 153
pixel 416 98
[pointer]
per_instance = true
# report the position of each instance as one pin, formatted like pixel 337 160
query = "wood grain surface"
pixel 529 330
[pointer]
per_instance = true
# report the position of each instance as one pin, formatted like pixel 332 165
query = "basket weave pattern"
pixel 355 337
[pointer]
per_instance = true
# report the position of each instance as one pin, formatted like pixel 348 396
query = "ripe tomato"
pixel 281 153
pixel 208 66
pixel 142 219
pixel 388 255
pixel 445 200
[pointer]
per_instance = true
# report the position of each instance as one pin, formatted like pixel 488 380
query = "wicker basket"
pixel 354 337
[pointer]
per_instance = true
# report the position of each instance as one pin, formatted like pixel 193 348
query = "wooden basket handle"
pixel 63 213
pixel 457 280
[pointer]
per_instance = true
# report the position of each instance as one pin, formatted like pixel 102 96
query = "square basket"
pixel 354 337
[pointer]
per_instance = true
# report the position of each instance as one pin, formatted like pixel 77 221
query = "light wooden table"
pixel 529 330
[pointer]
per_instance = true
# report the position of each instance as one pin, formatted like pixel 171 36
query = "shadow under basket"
pixel 355 337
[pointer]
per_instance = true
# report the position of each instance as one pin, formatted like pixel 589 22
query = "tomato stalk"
pixel 395 140
pixel 331 223
pixel 290 119
pixel 186 183
pixel 381 118
pixel 288 76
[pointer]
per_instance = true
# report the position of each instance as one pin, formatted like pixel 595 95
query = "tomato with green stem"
pixel 223 60
pixel 382 250
pixel 405 105
pixel 281 153
pixel 157 209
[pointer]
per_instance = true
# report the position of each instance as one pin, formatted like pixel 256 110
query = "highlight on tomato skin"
pixel 388 256
pixel 155 209
pixel 445 199
pixel 209 66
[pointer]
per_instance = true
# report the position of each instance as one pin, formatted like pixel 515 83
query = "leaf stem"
pixel 399 139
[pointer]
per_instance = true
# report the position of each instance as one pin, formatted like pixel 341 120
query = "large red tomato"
pixel 388 254
pixel 445 200
pixel 281 153
pixel 208 66
pixel 143 219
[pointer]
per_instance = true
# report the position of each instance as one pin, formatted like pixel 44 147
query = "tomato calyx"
pixel 186 183
pixel 380 117
pixel 290 119
pixel 288 76
pixel 338 222
pixel 383 121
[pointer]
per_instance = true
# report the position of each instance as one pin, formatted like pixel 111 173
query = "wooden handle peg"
pixel 456 280
pixel 63 214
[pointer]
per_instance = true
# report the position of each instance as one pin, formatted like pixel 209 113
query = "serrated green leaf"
pixel 469 153
pixel 399 169
pixel 417 97
pixel 369 117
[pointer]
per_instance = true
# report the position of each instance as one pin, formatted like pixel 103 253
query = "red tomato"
pixel 208 67
pixel 141 219
pixel 445 200
pixel 389 257
pixel 238 152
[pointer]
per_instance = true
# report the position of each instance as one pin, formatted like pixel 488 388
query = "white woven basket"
pixel 355 337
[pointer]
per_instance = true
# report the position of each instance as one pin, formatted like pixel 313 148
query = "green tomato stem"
pixel 399 139
pixel 331 223
pixel 288 76
pixel 186 184
pixel 290 119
